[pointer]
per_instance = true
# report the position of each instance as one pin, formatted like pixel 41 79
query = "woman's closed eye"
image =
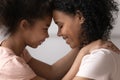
pixel 60 26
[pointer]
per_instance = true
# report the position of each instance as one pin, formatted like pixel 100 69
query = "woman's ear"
pixel 80 16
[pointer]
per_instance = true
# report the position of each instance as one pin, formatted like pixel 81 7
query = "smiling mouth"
pixel 67 41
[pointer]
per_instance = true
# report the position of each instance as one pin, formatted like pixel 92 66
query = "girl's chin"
pixel 34 46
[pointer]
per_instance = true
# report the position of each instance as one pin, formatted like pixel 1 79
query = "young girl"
pixel 27 23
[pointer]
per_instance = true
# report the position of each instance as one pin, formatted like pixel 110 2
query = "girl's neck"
pixel 15 43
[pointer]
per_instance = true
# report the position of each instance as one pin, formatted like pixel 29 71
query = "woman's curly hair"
pixel 98 16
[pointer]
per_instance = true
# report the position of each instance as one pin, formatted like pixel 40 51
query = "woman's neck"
pixel 15 43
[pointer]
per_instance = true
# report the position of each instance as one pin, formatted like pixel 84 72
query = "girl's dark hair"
pixel 13 11
pixel 97 13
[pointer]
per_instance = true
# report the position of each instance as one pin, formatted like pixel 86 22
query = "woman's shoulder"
pixel 102 56
pixel 103 51
pixel 100 61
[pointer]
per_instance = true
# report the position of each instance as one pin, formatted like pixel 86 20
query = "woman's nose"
pixel 62 32
pixel 59 33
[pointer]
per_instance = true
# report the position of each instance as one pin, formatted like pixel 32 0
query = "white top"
pixel 100 64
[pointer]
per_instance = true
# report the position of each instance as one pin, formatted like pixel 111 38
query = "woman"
pixel 80 23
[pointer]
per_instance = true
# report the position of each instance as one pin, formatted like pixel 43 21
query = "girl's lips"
pixel 41 41
pixel 67 41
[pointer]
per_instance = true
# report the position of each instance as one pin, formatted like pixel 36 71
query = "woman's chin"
pixel 73 46
pixel 34 46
